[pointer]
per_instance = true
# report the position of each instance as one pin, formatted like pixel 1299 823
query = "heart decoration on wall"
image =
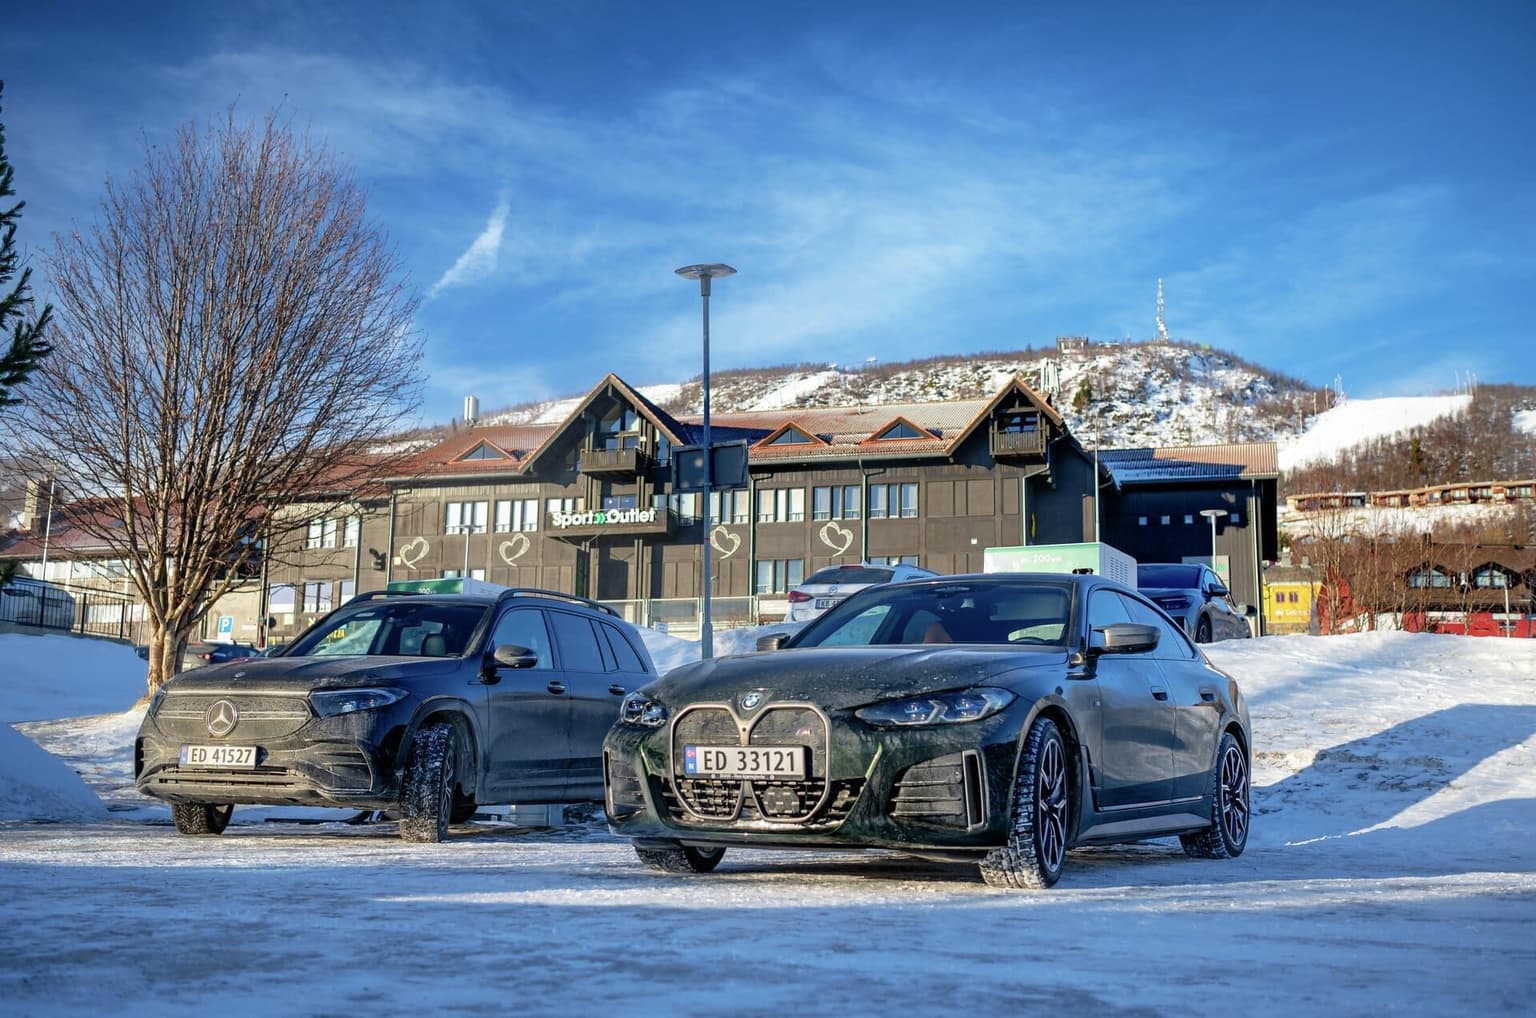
pixel 835 537
pixel 725 542
pixel 413 551
pixel 513 549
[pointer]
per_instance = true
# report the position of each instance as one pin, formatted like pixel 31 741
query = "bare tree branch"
pixel 234 337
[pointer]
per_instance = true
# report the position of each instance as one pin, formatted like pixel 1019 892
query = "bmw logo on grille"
pixel 752 699
pixel 221 718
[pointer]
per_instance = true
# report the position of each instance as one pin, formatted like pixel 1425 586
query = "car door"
pixel 595 690
pixel 1226 622
pixel 1195 698
pixel 529 709
pixel 1135 754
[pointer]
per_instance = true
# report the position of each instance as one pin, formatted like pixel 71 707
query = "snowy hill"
pixel 1355 421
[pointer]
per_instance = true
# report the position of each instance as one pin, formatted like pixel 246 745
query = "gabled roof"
pixel 612 384
pixel 446 459
pixel 1015 387
pixel 1195 463
pixel 900 423
pixel 776 436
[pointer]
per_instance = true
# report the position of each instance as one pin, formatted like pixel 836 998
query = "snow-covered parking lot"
pixel 1390 870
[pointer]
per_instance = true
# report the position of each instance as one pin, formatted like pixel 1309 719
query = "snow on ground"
pixel 1371 520
pixel 1357 420
pixel 1525 421
pixel 1391 869
pixel 792 389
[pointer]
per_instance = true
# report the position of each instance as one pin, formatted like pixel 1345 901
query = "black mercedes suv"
pixel 425 704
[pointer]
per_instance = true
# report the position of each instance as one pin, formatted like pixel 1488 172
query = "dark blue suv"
pixel 425 704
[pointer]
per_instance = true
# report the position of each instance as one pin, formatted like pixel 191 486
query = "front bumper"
pixel 939 788
pixel 349 760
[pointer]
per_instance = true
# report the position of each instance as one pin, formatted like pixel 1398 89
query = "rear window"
pixel 1168 576
pixel 851 574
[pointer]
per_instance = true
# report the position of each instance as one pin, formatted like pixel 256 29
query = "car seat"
pixel 434 646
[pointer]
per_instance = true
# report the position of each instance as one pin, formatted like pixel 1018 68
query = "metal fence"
pixel 28 602
pixel 680 616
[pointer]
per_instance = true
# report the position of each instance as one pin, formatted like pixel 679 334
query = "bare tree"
pixel 234 337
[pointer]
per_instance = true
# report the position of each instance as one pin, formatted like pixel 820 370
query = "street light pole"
pixel 1213 515
pixel 704 273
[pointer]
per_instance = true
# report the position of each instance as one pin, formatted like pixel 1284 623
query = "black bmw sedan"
pixel 1002 719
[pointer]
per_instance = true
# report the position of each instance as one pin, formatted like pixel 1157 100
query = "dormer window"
pixel 619 429
pixel 900 429
pixel 484 451
pixel 1018 422
pixel 791 434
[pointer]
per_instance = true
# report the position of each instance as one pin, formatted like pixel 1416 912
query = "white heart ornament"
pixel 413 551
pixel 513 549
pixel 831 534
pixel 720 537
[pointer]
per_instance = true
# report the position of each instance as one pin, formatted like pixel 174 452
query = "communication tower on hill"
pixel 1162 326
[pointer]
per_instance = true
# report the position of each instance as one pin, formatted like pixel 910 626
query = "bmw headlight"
pixel 639 709
pixel 330 702
pixel 937 708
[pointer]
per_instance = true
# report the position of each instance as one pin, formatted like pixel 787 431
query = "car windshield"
pixel 989 612
pixel 850 574
pixel 1168 576
pixel 393 628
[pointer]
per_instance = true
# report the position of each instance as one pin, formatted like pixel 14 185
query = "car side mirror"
pixel 1217 590
pixel 1123 638
pixel 510 655
pixel 773 641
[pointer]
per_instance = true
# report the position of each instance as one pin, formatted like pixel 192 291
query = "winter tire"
pixel 200 817
pixel 682 859
pixel 1228 792
pixel 426 797
pixel 1036 849
pixel 1203 630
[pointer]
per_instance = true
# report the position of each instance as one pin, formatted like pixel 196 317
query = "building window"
pixel 683 505
pixel 347 592
pixel 619 430
pixel 1490 577
pixel 517 514
pixel 1141 521
pixel 894 560
pixel 281 599
pixel 776 576
pixel 317 596
pixel 562 505
pixel 353 532
pixel 889 501
pixel 483 451
pixel 619 501
pixel 454 574
pixel 899 430
pixel 1018 423
pixel 838 502
pixel 731 506
pixel 466 517
pixel 1188 519
pixel 1429 577
pixel 1235 519
pixel 1166 520
pixel 781 505
pixel 322 534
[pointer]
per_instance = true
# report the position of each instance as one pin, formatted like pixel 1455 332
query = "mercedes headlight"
pixel 330 702
pixel 937 708
pixel 639 709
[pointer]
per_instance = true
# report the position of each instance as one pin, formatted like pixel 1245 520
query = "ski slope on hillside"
pixel 1359 420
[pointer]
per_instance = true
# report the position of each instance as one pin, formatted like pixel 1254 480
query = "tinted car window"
pixel 578 644
pixel 1168 576
pixel 628 660
pixel 982 612
pixel 1106 609
pixel 524 627
pixel 850 574
pixel 1172 642
pixel 392 627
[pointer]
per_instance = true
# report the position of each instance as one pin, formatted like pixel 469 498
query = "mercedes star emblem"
pixel 752 699
pixel 222 717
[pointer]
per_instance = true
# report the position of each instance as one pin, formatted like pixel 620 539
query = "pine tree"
pixel 27 346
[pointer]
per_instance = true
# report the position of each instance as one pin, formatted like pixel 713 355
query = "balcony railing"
pixel 613 461
pixel 1018 443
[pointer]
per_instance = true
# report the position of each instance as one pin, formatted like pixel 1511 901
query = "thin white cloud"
pixel 479 260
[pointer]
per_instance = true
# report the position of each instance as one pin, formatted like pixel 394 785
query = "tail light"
pixel 798 597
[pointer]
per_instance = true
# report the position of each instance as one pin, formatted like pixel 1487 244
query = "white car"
pixel 826 587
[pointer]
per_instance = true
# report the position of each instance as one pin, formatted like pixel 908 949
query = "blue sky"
pixel 1331 190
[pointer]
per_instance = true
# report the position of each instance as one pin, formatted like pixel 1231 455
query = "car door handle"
pixel 1159 693
pixel 556 687
pixel 617 690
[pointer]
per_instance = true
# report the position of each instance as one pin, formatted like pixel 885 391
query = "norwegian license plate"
pixel 827 602
pixel 744 761
pixel 234 758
